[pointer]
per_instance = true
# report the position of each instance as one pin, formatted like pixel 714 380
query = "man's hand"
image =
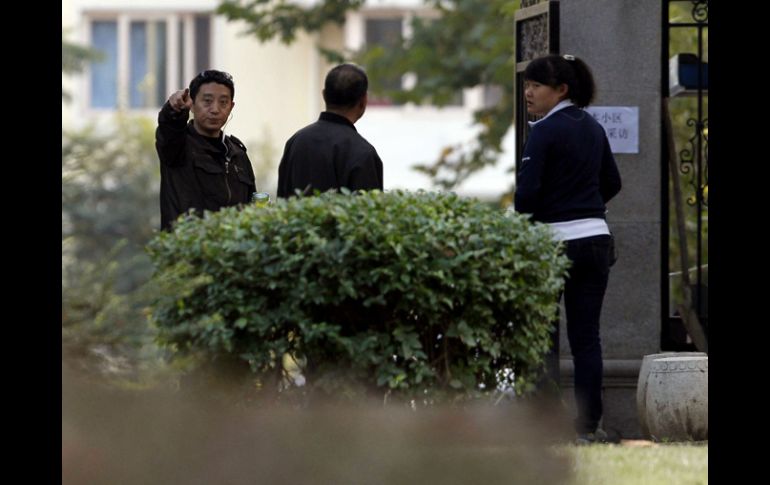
pixel 180 100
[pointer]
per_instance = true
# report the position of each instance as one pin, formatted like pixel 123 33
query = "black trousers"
pixel 583 297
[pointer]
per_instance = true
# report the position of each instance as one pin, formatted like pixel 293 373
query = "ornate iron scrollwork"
pixel 700 11
pixel 687 161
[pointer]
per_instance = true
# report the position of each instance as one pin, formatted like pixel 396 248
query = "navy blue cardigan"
pixel 567 170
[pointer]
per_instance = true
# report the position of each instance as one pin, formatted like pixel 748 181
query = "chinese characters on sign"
pixel 621 123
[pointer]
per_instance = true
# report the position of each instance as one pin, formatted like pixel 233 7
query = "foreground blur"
pixel 112 436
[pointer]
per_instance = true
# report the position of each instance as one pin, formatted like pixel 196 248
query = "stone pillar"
pixel 621 41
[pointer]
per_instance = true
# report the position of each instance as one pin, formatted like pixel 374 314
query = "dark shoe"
pixel 598 436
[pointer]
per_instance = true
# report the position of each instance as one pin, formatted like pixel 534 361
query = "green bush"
pixel 424 296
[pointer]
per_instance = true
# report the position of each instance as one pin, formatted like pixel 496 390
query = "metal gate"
pixel 684 172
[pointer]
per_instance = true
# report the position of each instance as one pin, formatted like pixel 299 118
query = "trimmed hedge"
pixel 412 294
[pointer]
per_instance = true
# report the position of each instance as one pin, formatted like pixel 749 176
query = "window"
pixel 104 85
pixel 386 33
pixel 145 57
pixel 147 53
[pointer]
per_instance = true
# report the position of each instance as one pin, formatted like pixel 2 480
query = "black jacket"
pixel 197 172
pixel 567 169
pixel 329 154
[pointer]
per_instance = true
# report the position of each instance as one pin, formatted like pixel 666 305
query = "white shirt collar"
pixel 562 104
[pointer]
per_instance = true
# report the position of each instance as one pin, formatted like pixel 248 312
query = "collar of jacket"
pixel 335 118
pixel 205 144
pixel 565 103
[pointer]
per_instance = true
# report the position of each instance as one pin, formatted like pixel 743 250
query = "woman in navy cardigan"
pixel 566 176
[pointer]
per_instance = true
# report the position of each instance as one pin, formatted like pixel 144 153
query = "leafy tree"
pixel 469 43
pixel 268 19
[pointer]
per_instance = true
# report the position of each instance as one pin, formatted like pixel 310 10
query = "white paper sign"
pixel 621 123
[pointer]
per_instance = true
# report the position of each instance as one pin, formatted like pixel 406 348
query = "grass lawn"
pixel 639 463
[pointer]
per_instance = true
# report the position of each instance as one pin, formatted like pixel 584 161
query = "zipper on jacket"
pixel 227 169
pixel 227 183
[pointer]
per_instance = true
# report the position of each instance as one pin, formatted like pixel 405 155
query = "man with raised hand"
pixel 201 168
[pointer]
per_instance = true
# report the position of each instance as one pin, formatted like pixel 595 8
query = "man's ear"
pixel 563 90
pixel 362 105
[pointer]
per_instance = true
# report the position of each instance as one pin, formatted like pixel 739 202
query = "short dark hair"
pixel 553 70
pixel 211 76
pixel 345 85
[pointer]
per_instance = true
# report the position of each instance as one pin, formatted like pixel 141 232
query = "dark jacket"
pixel 567 169
pixel 329 154
pixel 198 172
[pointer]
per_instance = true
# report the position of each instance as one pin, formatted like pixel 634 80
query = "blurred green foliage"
pixel 110 180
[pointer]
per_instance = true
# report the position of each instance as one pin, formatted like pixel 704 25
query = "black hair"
pixel 344 86
pixel 211 76
pixel 553 70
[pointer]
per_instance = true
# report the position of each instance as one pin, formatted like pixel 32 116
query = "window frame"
pixel 123 19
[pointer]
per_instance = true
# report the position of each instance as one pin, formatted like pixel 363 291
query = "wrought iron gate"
pixel 684 172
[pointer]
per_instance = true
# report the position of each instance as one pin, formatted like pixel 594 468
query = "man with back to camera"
pixel 330 154
pixel 201 168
